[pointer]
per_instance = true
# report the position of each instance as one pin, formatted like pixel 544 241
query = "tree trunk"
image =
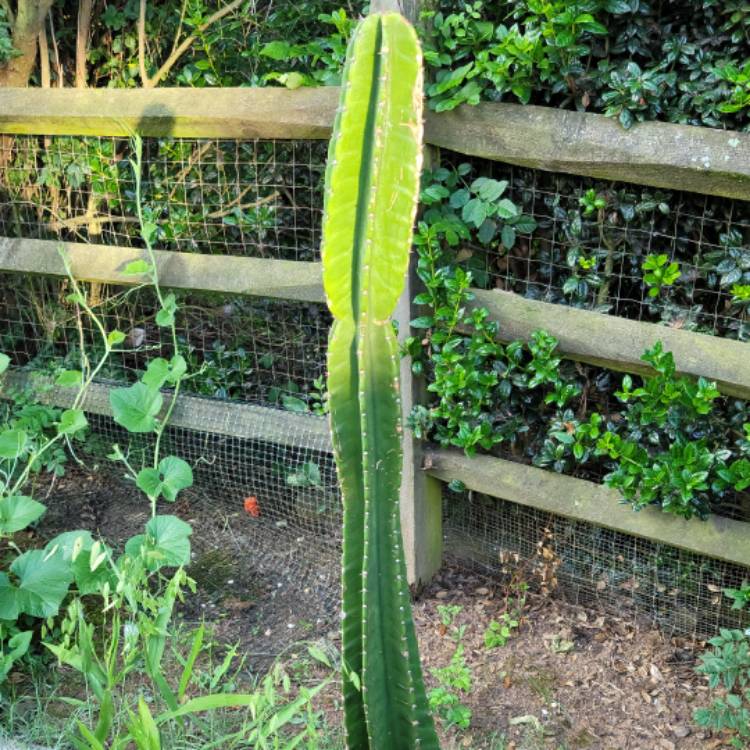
pixel 28 23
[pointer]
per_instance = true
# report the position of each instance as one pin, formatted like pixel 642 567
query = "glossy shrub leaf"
pixel 172 475
pixel 136 408
pixel 4 362
pixel 18 512
pixel 43 582
pixel 13 443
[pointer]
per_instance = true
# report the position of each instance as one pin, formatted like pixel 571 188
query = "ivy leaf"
pixel 4 362
pixel 489 190
pixel 508 236
pixel 43 582
pixel 460 198
pixel 135 408
pixel 165 316
pixel 72 421
pixel 17 512
pixel 172 475
pixel 487 231
pixel 12 443
pixel 525 224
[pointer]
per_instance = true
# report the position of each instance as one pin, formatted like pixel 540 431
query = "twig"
pixel 56 52
pixel 226 210
pixel 145 82
pixel 185 45
pixel 197 155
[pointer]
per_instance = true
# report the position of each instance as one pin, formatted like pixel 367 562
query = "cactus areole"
pixel 372 185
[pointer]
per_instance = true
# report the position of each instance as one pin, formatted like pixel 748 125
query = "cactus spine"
pixel 372 184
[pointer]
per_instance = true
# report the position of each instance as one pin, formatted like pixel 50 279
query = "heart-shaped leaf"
pixel 17 512
pixel 8 599
pixel 69 379
pixel 12 443
pixel 172 475
pixel 43 582
pixel 165 316
pixel 159 371
pixel 72 421
pixel 135 408
pixel 166 542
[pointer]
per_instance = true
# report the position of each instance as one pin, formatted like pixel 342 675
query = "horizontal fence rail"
pixel 260 277
pixel 618 343
pixel 680 157
pixel 231 418
pixel 579 499
pixel 583 335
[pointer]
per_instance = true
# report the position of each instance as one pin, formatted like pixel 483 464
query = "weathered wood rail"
pixel 231 418
pixel 579 499
pixel 680 157
pixel 260 277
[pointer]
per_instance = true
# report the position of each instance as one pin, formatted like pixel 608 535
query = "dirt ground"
pixel 567 678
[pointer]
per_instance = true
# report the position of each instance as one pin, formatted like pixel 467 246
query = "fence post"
pixel 421 494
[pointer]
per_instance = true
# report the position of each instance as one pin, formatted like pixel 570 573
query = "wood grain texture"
pixel 245 113
pixel 718 537
pixel 234 419
pixel 681 157
pixel 618 343
pixel 259 277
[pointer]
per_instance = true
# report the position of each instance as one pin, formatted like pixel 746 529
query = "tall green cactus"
pixel 372 184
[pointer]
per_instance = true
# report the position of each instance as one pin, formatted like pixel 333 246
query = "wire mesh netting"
pixel 256 198
pixel 678 591
pixel 251 421
pixel 591 239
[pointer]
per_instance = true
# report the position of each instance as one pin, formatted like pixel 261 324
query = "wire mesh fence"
pixel 676 590
pixel 258 198
pixel 591 239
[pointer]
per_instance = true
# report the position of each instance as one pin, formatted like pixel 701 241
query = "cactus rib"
pixel 372 184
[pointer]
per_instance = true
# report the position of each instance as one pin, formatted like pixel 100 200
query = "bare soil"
pixel 568 677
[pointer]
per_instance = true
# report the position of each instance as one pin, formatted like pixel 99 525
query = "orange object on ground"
pixel 252 506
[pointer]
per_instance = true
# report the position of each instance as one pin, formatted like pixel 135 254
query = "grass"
pixel 42 705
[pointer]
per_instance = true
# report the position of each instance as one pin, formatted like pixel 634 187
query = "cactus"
pixel 372 184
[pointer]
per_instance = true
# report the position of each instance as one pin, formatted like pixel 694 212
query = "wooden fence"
pixel 663 155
